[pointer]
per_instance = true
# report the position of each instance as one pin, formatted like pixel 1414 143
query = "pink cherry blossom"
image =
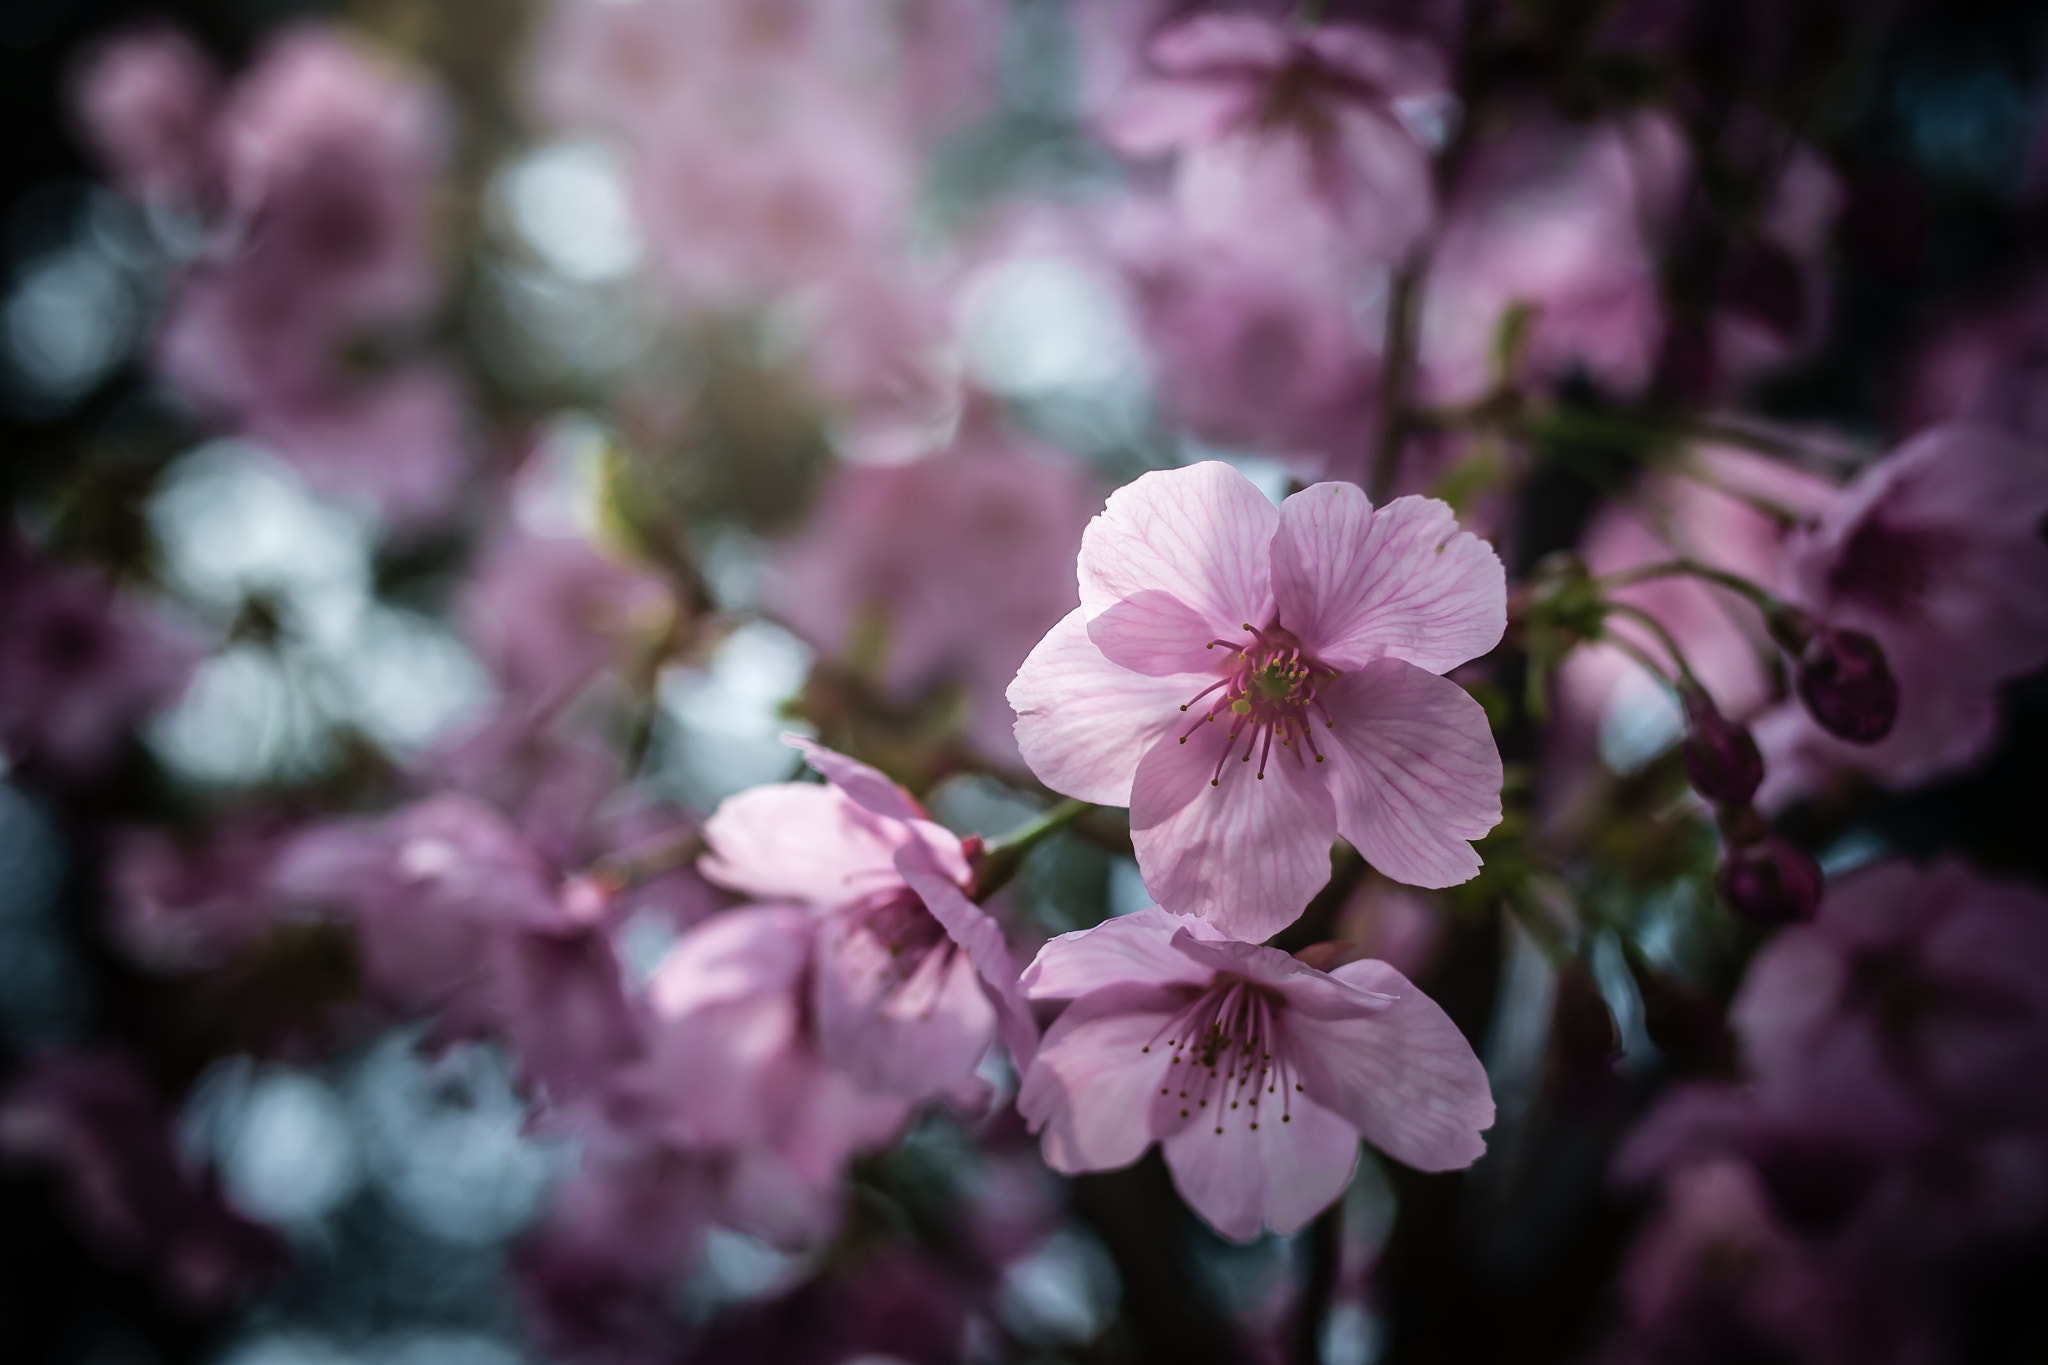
pixel 946 570
pixel 913 979
pixel 1288 137
pixel 1214 630
pixel 1254 1072
pixel 1936 553
pixel 146 101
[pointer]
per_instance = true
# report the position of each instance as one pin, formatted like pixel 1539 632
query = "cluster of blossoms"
pixel 584 542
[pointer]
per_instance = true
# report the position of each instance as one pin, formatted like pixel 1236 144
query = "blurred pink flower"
pixel 550 613
pixel 733 1076
pixel 1913 998
pixel 1323 625
pixel 82 665
pixel 1358 1050
pixel 1250 356
pixel 911 979
pixel 182 907
pixel 456 916
pixel 1988 367
pixel 1288 139
pixel 327 162
pixel 93 1119
pixel 146 99
pixel 1936 553
pixel 945 570
pixel 1564 220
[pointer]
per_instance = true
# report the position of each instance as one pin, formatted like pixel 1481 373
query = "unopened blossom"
pixel 944 571
pixel 1255 1073
pixel 1254 681
pixel 1294 138
pixel 912 979
pixel 1936 554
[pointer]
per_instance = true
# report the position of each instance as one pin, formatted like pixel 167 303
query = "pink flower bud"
pixel 1847 686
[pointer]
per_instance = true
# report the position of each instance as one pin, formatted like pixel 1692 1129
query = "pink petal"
pixel 872 791
pixel 1414 771
pixel 798 841
pixel 1402 582
pixel 751 951
pixel 1223 47
pixel 1094 1091
pixel 1403 1074
pixel 911 1037
pixel 1155 117
pixel 1084 724
pixel 968 925
pixel 1157 634
pixel 1245 854
pixel 1202 534
pixel 864 786
pixel 1277 1175
pixel 1309 991
pixel 1134 949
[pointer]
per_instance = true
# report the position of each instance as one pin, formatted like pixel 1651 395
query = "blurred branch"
pixel 1400 360
pixel 1001 861
pixel 1325 1259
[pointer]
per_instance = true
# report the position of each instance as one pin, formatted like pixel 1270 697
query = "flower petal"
pixel 911 1035
pixel 1245 854
pixel 1414 771
pixel 798 841
pixel 968 925
pixel 1203 534
pixel 1134 949
pixel 872 791
pixel 1093 1093
pixel 1403 1074
pixel 1157 634
pixel 1084 724
pixel 1277 1174
pixel 1402 582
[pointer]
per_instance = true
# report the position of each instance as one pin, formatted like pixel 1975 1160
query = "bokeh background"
pixel 615 435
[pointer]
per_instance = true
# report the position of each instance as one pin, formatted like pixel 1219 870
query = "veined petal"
pixel 1202 534
pixel 1083 723
pixel 1157 634
pixel 1134 949
pixel 968 925
pixel 1093 1093
pixel 1279 1174
pixel 1403 1074
pixel 1414 771
pixel 1402 582
pixel 798 841
pixel 1245 854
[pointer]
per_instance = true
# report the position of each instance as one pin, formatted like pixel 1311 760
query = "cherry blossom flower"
pixel 1290 137
pixel 1936 554
pixel 1254 1072
pixel 1215 630
pixel 912 979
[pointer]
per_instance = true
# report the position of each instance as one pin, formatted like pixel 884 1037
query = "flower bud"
pixel 1847 686
pixel 1720 756
pixel 1770 882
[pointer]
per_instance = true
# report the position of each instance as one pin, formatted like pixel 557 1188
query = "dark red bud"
pixel 1847 686
pixel 1769 882
pixel 1720 756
